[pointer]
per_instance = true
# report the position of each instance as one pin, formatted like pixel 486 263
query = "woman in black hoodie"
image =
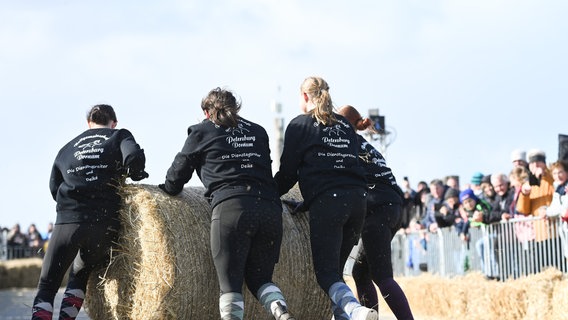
pixel 382 221
pixel 231 156
pixel 84 182
pixel 320 152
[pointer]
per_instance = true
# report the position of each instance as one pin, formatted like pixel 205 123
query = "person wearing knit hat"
pixel 535 196
pixel 538 191
pixel 475 209
pixel 535 155
pixel 537 166
pixel 468 194
pixel 476 212
pixel 476 178
pixel 451 193
pixel 475 183
pixel 519 158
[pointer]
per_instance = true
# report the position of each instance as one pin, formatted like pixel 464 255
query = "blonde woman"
pixel 320 152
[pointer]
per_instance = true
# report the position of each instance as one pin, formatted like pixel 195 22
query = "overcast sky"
pixel 461 83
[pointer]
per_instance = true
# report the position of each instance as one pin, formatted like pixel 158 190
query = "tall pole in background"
pixel 384 137
pixel 278 143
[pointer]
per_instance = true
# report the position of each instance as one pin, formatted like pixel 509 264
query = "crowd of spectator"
pixel 531 189
pixel 20 244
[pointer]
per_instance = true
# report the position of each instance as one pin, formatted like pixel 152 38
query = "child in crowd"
pixel 473 213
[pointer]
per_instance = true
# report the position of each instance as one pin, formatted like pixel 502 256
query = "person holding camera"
pixel 534 199
pixel 536 194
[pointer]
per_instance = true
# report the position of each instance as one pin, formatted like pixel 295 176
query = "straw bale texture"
pixel 542 296
pixel 162 268
pixel 20 273
pixel 560 301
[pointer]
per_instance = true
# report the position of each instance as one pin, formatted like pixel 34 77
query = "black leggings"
pixel 246 234
pixel 88 244
pixel 374 259
pixel 336 218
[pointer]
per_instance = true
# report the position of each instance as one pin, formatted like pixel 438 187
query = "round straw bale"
pixel 161 267
pixel 560 300
pixel 508 300
pixel 540 296
pixel 433 295
pixel 20 273
pixel 539 289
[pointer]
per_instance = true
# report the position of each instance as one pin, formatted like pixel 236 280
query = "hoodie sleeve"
pixel 133 156
pixel 185 162
pixel 291 158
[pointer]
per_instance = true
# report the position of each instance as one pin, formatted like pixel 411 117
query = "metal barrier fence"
pixel 505 250
pixel 9 252
pixel 4 245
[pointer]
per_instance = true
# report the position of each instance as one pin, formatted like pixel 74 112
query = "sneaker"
pixel 364 313
pixel 281 313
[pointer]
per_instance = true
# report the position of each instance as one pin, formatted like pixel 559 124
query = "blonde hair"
pixel 521 174
pixel 317 91
pixel 560 164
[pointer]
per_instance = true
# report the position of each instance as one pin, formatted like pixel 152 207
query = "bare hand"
pixel 526 189
pixel 506 216
pixel 541 211
pixel 538 172
pixel 433 227
pixel 477 216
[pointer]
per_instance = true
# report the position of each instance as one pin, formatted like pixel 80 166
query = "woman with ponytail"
pixel 382 221
pixel 231 156
pixel 320 152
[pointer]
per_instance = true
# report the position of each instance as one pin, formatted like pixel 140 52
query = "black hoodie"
pixel 319 157
pixel 87 172
pixel 229 161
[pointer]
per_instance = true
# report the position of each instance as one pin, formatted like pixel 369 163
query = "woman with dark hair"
pixel 320 152
pixel 231 156
pixel 84 182
pixel 382 221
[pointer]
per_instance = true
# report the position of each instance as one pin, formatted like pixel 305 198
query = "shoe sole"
pixel 372 315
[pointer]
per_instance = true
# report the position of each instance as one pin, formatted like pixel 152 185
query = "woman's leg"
pixel 95 245
pixel 336 218
pixel 362 277
pixel 229 249
pixel 381 223
pixel 63 247
pixel 264 253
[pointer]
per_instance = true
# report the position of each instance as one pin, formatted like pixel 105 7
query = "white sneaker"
pixel 364 313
